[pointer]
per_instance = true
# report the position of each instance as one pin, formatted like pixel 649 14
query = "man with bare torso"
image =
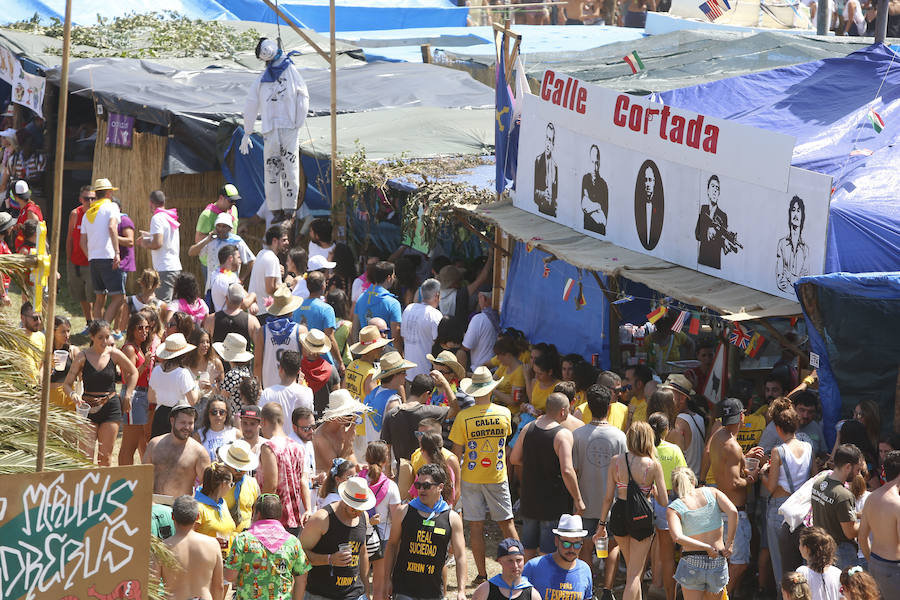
pixel 178 459
pixel 199 572
pixel 881 520
pixel 334 437
pixel 733 478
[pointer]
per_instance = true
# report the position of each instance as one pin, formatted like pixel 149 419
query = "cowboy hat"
pixel 355 493
pixel 175 345
pixel 283 302
pixel 342 404
pixel 480 384
pixel 233 349
pixel 679 383
pixel 392 363
pixel 447 359
pixel 239 456
pixel 369 339
pixel 103 184
pixel 570 526
pixel 315 342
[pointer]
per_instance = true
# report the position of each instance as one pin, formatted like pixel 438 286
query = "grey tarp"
pixel 735 302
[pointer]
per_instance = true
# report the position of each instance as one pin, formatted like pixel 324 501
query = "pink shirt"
pixel 290 457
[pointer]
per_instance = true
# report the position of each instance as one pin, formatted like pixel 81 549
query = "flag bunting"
pixel 634 61
pixel 580 300
pixel 739 337
pixel 876 120
pixel 657 314
pixel 567 291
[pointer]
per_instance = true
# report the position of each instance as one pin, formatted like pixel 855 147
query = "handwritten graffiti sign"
pixel 76 535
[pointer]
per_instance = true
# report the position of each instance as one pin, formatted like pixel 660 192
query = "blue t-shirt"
pixel 377 302
pixel 315 313
pixel 554 583
pixel 377 400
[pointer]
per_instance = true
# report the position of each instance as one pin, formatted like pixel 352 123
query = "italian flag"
pixel 874 117
pixel 634 61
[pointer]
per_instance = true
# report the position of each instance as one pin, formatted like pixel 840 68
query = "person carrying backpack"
pixel 633 476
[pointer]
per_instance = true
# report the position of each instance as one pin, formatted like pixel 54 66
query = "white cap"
pixel 319 262
pixel 224 218
pixel 21 189
pixel 8 133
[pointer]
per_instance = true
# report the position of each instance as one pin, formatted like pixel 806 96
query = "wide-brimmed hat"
pixel 369 339
pixel 355 493
pixel 450 277
pixel 233 349
pixel 679 383
pixel 175 345
pixel 315 342
pixel 6 222
pixel 392 363
pixel 480 384
pixel 570 526
pixel 319 262
pixel 448 359
pixel 342 404
pixel 21 189
pixel 283 302
pixel 103 184
pixel 238 455
pixel 225 218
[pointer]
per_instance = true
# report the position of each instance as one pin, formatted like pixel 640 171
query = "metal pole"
pixel 56 221
pixel 881 19
pixel 822 17
pixel 332 58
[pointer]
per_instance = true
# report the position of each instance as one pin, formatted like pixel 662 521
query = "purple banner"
pixel 119 131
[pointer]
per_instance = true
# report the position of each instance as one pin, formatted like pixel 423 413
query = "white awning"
pixel 735 302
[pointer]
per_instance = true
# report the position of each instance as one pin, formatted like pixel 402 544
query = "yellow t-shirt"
pixel 539 395
pixel 416 461
pixel 482 431
pixel 212 522
pixel 36 338
pixel 640 409
pixel 355 378
pixel 670 456
pixel 618 413
pixel 249 494
pixel 509 380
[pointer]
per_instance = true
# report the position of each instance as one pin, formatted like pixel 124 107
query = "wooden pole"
pixel 56 220
pixel 333 61
pixel 426 53
pixel 302 33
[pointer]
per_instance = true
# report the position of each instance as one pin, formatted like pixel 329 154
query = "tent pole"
pixel 822 17
pixel 333 61
pixel 881 19
pixel 56 220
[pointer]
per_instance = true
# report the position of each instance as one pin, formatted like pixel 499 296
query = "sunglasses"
pixel 424 485
pixel 419 434
pixel 217 412
pixel 306 428
pixel 568 545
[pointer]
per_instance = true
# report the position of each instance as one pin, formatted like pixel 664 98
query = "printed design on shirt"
pixel 347 580
pixel 470 465
pixel 472 445
pixel 484 433
pixel 566 592
pixel 422 546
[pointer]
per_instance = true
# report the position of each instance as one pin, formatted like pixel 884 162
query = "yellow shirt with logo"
pixel 618 414
pixel 249 494
pixel 355 379
pixel 670 456
pixel 482 431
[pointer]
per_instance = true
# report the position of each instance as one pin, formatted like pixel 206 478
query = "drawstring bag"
pixel 639 514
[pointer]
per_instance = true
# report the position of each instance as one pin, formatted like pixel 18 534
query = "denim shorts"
pixel 703 573
pixel 140 409
pixel 662 519
pixel 741 549
pixel 105 279
pixel 538 534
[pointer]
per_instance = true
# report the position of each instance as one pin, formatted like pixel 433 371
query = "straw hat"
pixel 355 493
pixel 570 526
pixel 679 383
pixel 447 358
pixel 103 184
pixel 342 404
pixel 392 363
pixel 233 349
pixel 480 384
pixel 238 455
pixel 175 345
pixel 369 339
pixel 315 342
pixel 283 302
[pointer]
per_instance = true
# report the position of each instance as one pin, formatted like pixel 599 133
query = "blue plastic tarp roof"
pixel 825 104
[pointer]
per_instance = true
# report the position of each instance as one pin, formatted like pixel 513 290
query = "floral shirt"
pixel 263 573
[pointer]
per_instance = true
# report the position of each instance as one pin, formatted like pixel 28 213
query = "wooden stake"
pixel 426 53
pixel 56 220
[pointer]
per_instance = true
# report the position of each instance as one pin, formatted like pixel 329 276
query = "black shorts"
pixel 618 520
pixel 111 411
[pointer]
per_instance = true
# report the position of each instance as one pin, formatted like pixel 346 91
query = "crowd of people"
pixel 333 436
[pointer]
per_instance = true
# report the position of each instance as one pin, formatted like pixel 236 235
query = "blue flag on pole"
pixel 502 119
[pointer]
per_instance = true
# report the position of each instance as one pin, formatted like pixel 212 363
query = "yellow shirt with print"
pixel 670 457
pixel 355 378
pixel 482 430
pixel 248 495
pixel 618 414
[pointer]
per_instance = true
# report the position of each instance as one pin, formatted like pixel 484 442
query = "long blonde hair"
pixel 640 439
pixel 683 481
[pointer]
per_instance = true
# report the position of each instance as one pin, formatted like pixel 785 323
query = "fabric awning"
pixel 734 302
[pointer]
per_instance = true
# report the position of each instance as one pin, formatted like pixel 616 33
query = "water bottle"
pixel 602 547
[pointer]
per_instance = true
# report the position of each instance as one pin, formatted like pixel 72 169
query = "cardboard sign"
pixel 120 129
pixel 76 535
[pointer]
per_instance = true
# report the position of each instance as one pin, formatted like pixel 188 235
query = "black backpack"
pixel 639 514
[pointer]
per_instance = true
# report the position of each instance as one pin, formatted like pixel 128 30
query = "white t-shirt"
pixel 216 439
pixel 824 586
pixel 419 330
pixel 480 338
pixel 383 508
pixel 171 387
pixel 167 257
pixel 300 288
pixel 99 245
pixel 266 265
pixel 315 249
pixel 289 397
pixel 219 288
pixel 356 289
pixel 211 252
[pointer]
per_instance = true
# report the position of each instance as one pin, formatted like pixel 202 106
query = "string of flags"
pixel 713 9
pixel 876 120
pixel 634 61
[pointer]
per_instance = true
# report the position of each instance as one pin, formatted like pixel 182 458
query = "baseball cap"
pixel 225 218
pixel 21 190
pixel 251 411
pixel 730 410
pixel 509 546
pixel 319 262
pixel 229 191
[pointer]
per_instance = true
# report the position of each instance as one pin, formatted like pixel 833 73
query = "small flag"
pixel 623 300
pixel 714 386
pixel 739 337
pixel 877 121
pixel 546 271
pixel 694 327
pixel 679 322
pixel 794 321
pixel 711 9
pixel 567 291
pixel 529 245
pixel 580 300
pixel 657 314
pixel 755 345
pixel 634 61
pixel 861 152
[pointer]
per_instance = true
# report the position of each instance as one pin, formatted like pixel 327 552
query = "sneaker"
pixel 478 581
pixel 451 561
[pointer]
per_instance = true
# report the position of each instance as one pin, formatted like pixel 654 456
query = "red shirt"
pixel 4 249
pixel 78 258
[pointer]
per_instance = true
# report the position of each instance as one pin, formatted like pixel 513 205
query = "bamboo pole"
pixel 56 219
pixel 342 226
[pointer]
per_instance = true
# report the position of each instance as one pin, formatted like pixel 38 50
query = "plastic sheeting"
pixel 854 326
pixel 534 304
pixel 825 105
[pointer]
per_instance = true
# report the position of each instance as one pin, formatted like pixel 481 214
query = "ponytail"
pixel 683 481
pixel 432 446
pixel 376 455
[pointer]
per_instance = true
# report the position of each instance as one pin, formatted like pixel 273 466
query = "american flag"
pixel 679 322
pixel 739 337
pixel 711 9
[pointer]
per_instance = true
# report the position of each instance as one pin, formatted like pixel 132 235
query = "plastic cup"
pixel 602 547
pixel 59 359
pixel 82 409
pixel 752 464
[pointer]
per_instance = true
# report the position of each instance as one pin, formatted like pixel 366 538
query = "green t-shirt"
pixel 670 456
pixel 264 574
pixel 833 504
pixel 207 222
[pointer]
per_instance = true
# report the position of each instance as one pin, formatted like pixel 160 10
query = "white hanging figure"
pixel 281 100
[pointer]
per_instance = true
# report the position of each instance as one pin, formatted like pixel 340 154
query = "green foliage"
pixel 165 34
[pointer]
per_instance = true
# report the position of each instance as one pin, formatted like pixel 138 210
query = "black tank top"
pixel 544 495
pixel 99 382
pixel 422 554
pixel 494 593
pixel 224 324
pixel 339 583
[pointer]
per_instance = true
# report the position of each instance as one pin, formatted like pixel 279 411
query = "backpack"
pixel 638 512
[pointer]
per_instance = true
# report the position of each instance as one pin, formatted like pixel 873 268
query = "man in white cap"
pixel 335 544
pixel 100 241
pixel 222 235
pixel 177 458
pixel 266 274
pixel 562 574
pixel 206 223
pixel 241 461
